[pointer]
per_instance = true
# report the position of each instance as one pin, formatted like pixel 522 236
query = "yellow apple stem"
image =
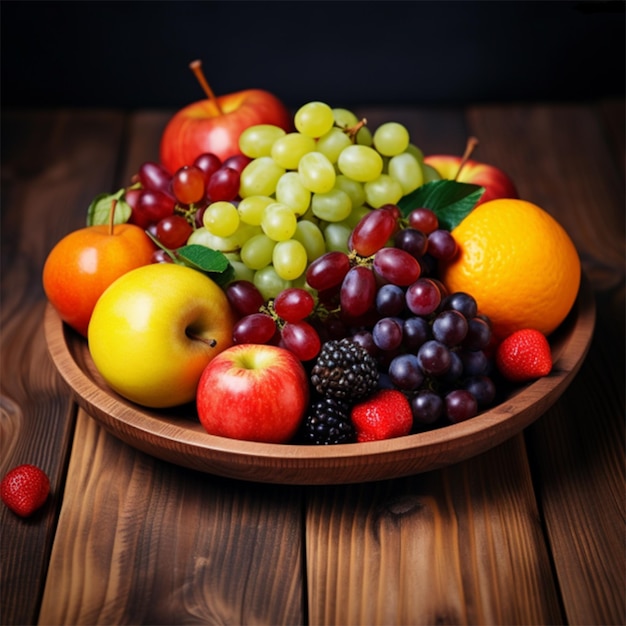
pixel 210 342
pixel 112 217
pixel 472 142
pixel 196 68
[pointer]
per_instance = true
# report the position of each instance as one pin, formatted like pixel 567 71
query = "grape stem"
pixel 112 217
pixel 472 142
pixel 196 68
pixel 353 130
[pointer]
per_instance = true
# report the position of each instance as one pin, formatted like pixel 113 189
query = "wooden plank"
pixel 443 547
pixel 563 161
pixel 202 551
pixel 153 543
pixel 52 164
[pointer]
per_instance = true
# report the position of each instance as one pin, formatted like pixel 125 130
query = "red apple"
pixel 253 392
pixel 496 183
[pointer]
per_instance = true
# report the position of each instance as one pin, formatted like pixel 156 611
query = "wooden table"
pixel 531 532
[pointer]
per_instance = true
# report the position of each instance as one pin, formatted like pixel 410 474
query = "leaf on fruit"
pixel 100 209
pixel 212 262
pixel 450 200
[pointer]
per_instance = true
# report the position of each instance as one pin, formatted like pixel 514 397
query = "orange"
pixel 85 262
pixel 518 263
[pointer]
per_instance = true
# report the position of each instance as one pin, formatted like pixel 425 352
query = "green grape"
pixel 352 187
pixel 256 141
pixel 336 237
pixel 311 237
pixel 288 150
pixel 333 206
pixel 279 222
pixel 314 119
pixel 364 136
pixel 259 177
pixel 293 193
pixel 241 271
pixel 256 253
pixel 405 168
pixel 332 143
pixel 221 218
pixel 344 118
pixel 317 173
pixel 391 138
pixel 360 163
pixel 203 237
pixel 383 190
pixel 416 152
pixel 430 173
pixel 356 214
pixel 269 283
pixel 289 259
pixel 251 209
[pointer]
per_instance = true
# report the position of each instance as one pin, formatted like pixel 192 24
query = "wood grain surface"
pixel 530 532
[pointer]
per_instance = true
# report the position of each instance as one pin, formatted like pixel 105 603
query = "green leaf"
pixel 203 259
pixel 100 208
pixel 450 200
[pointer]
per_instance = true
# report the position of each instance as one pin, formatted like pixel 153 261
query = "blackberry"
pixel 344 370
pixel 328 422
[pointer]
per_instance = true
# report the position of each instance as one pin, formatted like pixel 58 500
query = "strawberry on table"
pixel 524 355
pixel 384 415
pixel 24 489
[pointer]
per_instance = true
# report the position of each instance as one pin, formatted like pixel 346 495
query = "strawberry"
pixel 24 489
pixel 384 415
pixel 524 355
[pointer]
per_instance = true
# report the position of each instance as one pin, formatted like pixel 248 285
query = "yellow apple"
pixel 155 329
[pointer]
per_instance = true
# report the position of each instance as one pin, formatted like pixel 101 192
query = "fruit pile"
pixel 336 245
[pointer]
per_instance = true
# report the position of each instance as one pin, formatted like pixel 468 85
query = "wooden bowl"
pixel 176 435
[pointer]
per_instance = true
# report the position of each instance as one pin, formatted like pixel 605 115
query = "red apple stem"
pixel 196 68
pixel 472 142
pixel 112 217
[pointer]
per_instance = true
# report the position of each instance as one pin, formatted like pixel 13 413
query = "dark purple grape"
pixel 442 245
pixel 364 339
pixel 416 331
pixel 450 327
pixel 244 297
pixel 434 358
pixel 413 241
pixel 482 388
pixel 426 406
pixel 475 362
pixel 462 302
pixel 455 371
pixel 405 372
pixel 387 333
pixel 460 405
pixel 390 300
pixel 478 334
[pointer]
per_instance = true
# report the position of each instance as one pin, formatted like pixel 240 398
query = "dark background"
pixel 136 54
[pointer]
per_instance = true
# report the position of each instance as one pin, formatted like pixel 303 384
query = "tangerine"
pixel 85 262
pixel 518 263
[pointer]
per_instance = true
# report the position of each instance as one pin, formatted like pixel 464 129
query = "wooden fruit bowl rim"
pixel 176 435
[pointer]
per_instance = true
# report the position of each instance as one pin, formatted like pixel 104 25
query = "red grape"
pixel 301 339
pixel 208 163
pixel 294 304
pixel 154 176
pixel 237 162
pixel 396 266
pixel 373 231
pixel 423 296
pixel 441 244
pixel 188 184
pixel 152 206
pixel 223 185
pixel 244 297
pixel 328 270
pixel 358 291
pixel 255 328
pixel 173 231
pixel 423 219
